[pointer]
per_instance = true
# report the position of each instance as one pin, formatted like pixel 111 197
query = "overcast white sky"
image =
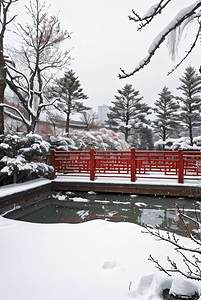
pixel 103 40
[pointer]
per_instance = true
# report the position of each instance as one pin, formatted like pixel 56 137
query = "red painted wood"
pixel 92 165
pixel 133 166
pixel 180 167
pixel 52 163
pixel 145 164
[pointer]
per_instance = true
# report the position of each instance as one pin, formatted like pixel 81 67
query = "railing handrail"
pixel 98 162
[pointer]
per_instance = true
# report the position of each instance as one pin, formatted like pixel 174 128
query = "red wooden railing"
pixel 134 164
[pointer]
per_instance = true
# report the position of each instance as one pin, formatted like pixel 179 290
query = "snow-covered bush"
pixel 181 143
pixel 27 144
pixel 61 143
pixel 102 139
pixel 26 156
pixel 20 164
pixel 22 157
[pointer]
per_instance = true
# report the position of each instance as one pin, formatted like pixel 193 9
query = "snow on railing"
pixel 133 164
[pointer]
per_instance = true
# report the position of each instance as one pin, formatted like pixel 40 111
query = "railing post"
pixel 92 165
pixel 52 163
pixel 133 165
pixel 180 166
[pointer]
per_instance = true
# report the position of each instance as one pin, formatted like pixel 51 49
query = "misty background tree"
pixel 167 121
pixel 35 62
pixel 90 118
pixel 190 101
pixel 128 113
pixel 172 32
pixel 69 93
pixel 142 139
pixel 5 21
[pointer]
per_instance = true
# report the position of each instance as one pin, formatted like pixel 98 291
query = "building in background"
pixel 103 110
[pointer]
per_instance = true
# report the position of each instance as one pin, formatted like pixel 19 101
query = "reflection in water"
pixel 82 206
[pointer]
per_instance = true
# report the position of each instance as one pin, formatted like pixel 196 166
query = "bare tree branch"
pixel 191 263
pixel 36 60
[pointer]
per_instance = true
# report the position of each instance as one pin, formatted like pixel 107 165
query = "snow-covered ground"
pixel 20 187
pixel 96 260
pixel 156 181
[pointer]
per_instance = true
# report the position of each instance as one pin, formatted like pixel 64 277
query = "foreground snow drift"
pixel 94 260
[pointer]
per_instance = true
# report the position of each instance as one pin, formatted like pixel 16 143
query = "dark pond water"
pixel 82 206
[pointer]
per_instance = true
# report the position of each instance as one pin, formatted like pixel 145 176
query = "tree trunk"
pixel 67 124
pixel 191 133
pixel 164 137
pixel 68 112
pixel 33 125
pixel 2 86
pixel 126 135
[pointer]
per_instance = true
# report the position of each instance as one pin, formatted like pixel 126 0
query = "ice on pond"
pixel 102 201
pixel 62 198
pixel 133 196
pixel 83 213
pixel 70 193
pixel 92 193
pixel 120 202
pixel 80 199
pixel 140 204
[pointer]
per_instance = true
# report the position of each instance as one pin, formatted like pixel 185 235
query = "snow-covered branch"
pixel 153 11
pixel 41 106
pixel 22 118
pixel 189 51
pixel 182 18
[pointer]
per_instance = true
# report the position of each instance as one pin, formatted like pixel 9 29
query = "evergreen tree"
pixel 128 112
pixel 190 102
pixel 167 120
pixel 143 139
pixel 69 91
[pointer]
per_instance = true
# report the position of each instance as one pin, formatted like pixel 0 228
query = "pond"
pixel 80 207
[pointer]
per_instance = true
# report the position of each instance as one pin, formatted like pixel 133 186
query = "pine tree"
pixel 142 139
pixel 191 101
pixel 146 139
pixel 68 89
pixel 167 120
pixel 128 112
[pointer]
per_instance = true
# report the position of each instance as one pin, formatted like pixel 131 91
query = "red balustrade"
pixel 133 164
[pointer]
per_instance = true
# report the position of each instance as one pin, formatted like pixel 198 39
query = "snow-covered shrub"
pixel 102 139
pixel 22 157
pixel 61 143
pixel 180 143
pixel 26 156
pixel 19 164
pixel 27 144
